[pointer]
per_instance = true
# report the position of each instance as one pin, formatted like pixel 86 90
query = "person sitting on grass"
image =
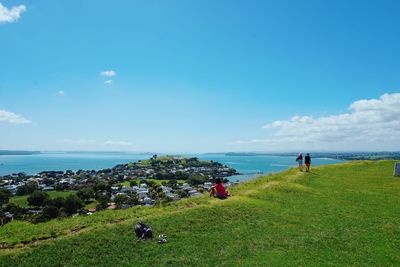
pixel 218 190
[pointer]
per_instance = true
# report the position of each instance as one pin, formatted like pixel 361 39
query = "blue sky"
pixel 199 76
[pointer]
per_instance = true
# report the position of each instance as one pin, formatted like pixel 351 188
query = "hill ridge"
pixel 328 216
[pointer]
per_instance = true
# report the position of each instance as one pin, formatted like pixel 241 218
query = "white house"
pixel 147 201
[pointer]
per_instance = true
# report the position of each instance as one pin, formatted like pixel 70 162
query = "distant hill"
pixel 337 215
pixel 18 152
pixel 332 155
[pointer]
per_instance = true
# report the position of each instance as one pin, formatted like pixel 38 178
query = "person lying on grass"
pixel 218 190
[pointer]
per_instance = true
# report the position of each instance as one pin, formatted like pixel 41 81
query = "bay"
pixel 248 166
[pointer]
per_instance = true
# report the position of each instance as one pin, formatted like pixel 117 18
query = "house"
pixel 125 189
pixel 193 193
pixel 112 206
pixel 228 184
pixel 135 188
pixel 207 185
pixel 12 188
pixel 174 197
pixel 166 189
pixel 186 187
pixel 147 201
pixel 142 192
pixel 114 189
pixel 47 188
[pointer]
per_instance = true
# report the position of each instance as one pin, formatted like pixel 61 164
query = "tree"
pixel 149 183
pixel 120 199
pixel 4 196
pixel 61 187
pixel 27 189
pixel 183 193
pixel 102 186
pixel 13 208
pixel 133 183
pixel 173 184
pixel 37 198
pixel 48 202
pixel 50 211
pixel 85 194
pixel 133 198
pixel 197 179
pixel 103 202
pixel 72 204
pixel 59 202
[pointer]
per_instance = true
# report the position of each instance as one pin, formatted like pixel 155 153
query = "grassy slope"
pixel 337 215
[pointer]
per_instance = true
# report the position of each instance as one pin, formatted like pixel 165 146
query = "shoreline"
pixel 34 164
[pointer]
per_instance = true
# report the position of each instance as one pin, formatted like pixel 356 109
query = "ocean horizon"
pixel 248 166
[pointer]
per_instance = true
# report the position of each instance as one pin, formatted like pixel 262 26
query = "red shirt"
pixel 220 189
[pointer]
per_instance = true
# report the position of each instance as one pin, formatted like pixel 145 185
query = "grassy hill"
pixel 347 214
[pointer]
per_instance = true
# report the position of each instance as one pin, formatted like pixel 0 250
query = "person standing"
pixel 307 161
pixel 299 161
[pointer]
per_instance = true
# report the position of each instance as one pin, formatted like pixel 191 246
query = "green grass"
pixel 338 215
pixel 91 204
pixel 22 200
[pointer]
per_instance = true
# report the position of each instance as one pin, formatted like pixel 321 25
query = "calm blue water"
pixel 249 166
pixel 32 164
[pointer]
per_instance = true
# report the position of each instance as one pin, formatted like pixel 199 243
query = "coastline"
pixel 33 164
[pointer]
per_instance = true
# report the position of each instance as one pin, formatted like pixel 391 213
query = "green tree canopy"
pixel 72 204
pixel 120 200
pixel 4 196
pixel 85 194
pixel 37 198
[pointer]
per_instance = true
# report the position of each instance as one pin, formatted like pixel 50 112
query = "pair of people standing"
pixel 307 161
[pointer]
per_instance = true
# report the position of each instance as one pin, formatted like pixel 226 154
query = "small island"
pixel 156 181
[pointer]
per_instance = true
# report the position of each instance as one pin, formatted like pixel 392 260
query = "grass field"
pixel 22 200
pixel 337 215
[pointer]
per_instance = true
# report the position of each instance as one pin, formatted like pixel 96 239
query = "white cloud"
pixel 98 143
pixel 369 125
pixel 61 92
pixel 108 73
pixel 79 141
pixel 8 15
pixel 10 117
pixel 108 82
pixel 117 143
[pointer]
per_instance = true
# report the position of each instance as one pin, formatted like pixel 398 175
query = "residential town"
pixel 150 182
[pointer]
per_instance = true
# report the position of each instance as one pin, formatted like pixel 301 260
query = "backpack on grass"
pixel 143 231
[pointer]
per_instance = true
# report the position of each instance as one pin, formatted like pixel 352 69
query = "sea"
pixel 248 166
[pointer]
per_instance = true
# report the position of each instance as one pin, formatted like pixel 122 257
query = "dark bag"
pixel 143 231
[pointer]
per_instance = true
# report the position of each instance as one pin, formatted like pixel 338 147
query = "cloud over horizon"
pixel 372 124
pixel 107 143
pixel 108 73
pixel 11 117
pixel 9 15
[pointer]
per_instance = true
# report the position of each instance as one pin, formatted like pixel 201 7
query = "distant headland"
pixel 330 155
pixel 18 152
